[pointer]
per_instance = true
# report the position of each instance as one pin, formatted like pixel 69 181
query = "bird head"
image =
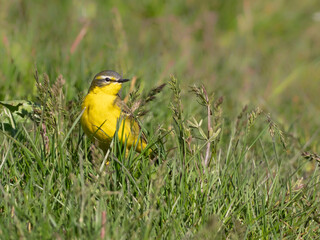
pixel 108 82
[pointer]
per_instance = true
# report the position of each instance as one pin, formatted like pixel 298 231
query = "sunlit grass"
pixel 229 164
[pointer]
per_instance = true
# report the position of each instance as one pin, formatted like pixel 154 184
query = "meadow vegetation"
pixel 235 129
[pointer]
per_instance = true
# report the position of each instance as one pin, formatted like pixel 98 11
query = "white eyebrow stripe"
pixel 105 76
pixel 102 76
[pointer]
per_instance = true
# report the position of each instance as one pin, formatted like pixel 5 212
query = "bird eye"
pixel 107 79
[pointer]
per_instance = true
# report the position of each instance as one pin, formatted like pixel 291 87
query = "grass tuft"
pixel 223 169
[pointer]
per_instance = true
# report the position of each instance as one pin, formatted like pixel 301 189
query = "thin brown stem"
pixel 103 224
pixel 208 153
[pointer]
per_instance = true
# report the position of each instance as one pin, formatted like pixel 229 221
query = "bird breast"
pixel 100 115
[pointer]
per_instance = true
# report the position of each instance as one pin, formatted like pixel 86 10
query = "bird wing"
pixel 126 111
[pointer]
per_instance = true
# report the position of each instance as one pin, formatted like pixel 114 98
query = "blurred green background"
pixel 263 53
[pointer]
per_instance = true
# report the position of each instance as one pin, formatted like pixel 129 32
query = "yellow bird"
pixel 104 111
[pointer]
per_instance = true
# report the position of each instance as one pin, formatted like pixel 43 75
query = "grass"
pixel 229 128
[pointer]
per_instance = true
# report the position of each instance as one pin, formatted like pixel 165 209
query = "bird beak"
pixel 123 80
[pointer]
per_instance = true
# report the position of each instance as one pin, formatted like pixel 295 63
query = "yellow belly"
pixel 100 118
